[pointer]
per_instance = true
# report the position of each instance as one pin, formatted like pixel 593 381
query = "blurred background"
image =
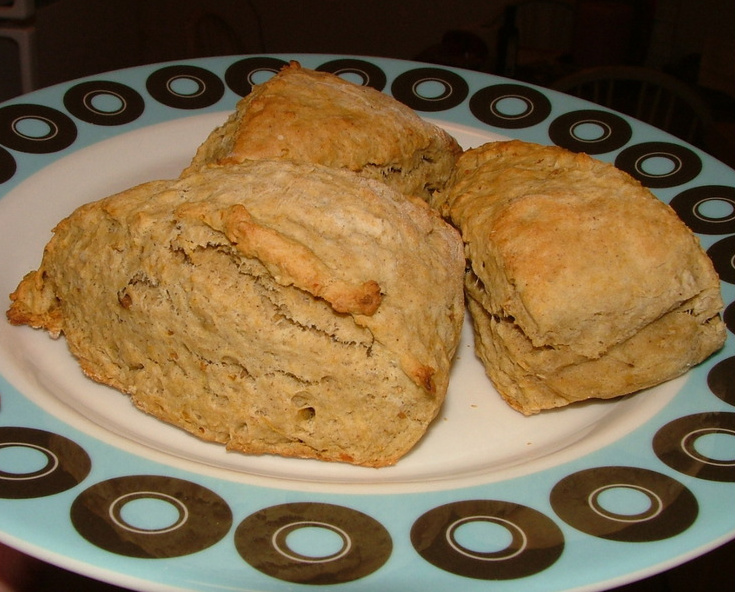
pixel 44 42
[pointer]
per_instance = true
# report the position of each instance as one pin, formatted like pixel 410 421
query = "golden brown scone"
pixel 274 307
pixel 318 117
pixel 582 283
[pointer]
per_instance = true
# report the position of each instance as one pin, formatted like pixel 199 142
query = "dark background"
pixel 693 40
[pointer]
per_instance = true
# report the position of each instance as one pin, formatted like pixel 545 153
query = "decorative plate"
pixel 584 498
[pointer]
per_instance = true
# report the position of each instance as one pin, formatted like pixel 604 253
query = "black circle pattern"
pixel 729 318
pixel 67 464
pixel 240 75
pixel 536 540
pixel 672 509
pixel 720 378
pixel 407 89
pixel 689 206
pixel 370 74
pixel 209 87
pixel 261 540
pixel 722 254
pixel 487 105
pixel 675 444
pixel 80 102
pixel 59 130
pixel 204 517
pixel 686 165
pixel 616 132
pixel 7 165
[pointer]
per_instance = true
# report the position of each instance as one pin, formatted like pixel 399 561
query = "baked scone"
pixel 271 306
pixel 582 284
pixel 318 117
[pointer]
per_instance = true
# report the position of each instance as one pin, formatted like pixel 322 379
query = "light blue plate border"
pixel 42 525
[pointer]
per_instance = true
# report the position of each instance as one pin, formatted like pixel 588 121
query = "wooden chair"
pixel 649 95
pixel 15 25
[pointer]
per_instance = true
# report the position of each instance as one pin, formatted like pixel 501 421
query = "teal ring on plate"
pixel 691 204
pixel 209 87
pixel 616 132
pixel 369 74
pixel 203 519
pixel 535 542
pixel 686 164
pixel 487 105
pixel 239 76
pixel 66 464
pixel 406 88
pixel 55 130
pixel 364 544
pixel 676 445
pixel 577 500
pixel 79 101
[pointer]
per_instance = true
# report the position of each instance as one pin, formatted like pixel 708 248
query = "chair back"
pixel 17 10
pixel 649 95
pixel 16 25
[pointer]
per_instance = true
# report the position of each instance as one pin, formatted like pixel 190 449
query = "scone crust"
pixel 271 306
pixel 571 258
pixel 317 117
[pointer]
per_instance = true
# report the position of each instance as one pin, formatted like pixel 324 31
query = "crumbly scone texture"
pixel 317 117
pixel 582 283
pixel 271 306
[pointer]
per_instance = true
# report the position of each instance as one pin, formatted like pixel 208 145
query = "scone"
pixel 582 284
pixel 271 306
pixel 320 118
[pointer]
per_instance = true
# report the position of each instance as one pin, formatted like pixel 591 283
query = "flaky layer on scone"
pixel 582 284
pixel 317 117
pixel 271 306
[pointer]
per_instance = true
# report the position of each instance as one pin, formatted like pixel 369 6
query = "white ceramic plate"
pixel 583 498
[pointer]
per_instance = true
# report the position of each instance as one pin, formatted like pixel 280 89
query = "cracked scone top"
pixel 270 306
pixel 316 117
